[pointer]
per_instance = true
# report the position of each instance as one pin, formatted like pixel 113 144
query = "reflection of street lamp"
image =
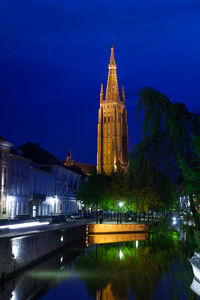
pixel 120 204
pixel 120 254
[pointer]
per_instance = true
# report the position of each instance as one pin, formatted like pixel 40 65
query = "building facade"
pixel 112 141
pixel 5 147
pixel 18 185
pixel 35 183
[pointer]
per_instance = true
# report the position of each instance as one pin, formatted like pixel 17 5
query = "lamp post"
pixel 120 204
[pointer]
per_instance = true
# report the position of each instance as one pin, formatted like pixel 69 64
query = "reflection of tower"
pixel 106 294
pixel 112 142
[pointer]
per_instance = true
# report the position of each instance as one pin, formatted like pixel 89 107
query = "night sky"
pixel 54 54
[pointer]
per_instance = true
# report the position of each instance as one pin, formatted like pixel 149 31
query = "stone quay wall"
pixel 19 252
pixel 116 228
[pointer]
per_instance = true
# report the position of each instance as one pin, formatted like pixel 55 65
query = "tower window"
pixel 108 119
pixel 104 119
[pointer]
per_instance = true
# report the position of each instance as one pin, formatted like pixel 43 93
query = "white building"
pixel 4 161
pixel 35 183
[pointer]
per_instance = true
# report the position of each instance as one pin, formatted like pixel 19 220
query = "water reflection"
pixel 137 266
pixel 129 269
pixel 116 238
pixel 35 282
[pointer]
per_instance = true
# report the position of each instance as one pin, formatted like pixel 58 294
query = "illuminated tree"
pixel 93 192
pixel 191 184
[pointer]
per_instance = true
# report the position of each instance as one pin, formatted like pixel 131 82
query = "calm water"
pixel 135 267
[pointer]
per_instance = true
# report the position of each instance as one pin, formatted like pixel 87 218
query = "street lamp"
pixel 120 204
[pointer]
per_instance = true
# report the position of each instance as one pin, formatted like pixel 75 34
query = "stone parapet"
pixel 117 228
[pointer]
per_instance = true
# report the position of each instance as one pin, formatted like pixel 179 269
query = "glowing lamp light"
pixel 121 204
pixel 136 244
pixel 120 254
pixel 14 296
pixel 174 221
pixel 10 199
pixel 62 238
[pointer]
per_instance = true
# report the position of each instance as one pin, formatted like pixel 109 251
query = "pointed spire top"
pixel 112 92
pixel 112 57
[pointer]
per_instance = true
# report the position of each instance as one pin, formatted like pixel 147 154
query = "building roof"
pixel 76 169
pixel 1 138
pixel 34 152
pixel 38 155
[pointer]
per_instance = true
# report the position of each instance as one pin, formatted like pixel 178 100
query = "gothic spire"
pixel 123 95
pixel 101 94
pixel 112 91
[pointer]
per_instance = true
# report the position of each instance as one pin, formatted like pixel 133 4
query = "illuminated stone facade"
pixel 112 142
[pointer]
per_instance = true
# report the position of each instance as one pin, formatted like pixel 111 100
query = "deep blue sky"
pixel 54 55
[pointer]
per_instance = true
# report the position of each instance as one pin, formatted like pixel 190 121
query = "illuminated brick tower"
pixel 112 142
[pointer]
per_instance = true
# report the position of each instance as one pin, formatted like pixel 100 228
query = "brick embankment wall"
pixel 117 228
pixel 19 252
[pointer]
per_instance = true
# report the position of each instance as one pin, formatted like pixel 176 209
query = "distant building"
pixel 112 142
pixel 83 168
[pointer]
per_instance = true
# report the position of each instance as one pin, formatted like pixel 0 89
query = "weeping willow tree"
pixel 165 139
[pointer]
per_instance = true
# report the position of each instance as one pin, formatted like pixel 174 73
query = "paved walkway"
pixel 11 233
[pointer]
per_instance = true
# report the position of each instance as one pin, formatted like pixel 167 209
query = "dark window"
pixel 104 119
pixel 5 176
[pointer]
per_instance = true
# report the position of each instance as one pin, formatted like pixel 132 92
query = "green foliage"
pixel 191 170
pixel 104 192
pixel 93 192
pixel 152 189
pixel 117 191
pixel 166 130
pixel 191 174
pixel 166 135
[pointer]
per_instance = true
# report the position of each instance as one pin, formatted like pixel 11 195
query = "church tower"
pixel 112 142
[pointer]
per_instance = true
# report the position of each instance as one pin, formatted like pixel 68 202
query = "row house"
pixel 36 183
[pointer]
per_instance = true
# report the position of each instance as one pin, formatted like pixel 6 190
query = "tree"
pixel 191 183
pixel 147 199
pixel 165 139
pixel 166 131
pixel 143 177
pixel 93 191
pixel 117 190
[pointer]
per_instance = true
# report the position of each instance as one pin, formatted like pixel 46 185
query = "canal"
pixel 109 267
